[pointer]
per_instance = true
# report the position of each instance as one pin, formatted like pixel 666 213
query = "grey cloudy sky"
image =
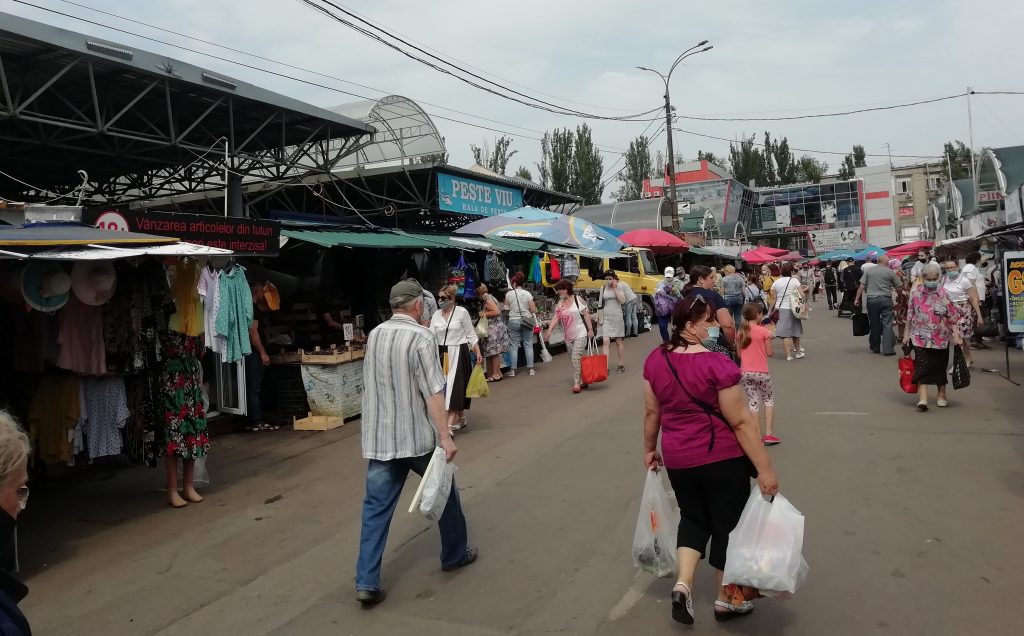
pixel 770 59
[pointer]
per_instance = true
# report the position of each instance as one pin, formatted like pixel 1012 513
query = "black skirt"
pixel 463 367
pixel 930 366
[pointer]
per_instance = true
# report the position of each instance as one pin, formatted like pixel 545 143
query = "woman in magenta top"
pixel 710 446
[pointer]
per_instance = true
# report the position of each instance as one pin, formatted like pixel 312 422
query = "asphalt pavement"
pixel 913 519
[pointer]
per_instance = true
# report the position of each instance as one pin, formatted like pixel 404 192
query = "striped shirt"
pixel 400 371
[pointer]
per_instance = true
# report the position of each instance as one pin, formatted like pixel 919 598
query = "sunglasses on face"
pixel 444 297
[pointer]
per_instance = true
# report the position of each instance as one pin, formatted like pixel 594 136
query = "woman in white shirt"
pixel 964 294
pixel 522 312
pixel 453 329
pixel 789 328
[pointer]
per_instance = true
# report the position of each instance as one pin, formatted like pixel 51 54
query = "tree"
pixel 588 167
pixel 770 176
pixel 810 169
pixel 561 160
pixel 859 158
pixel 959 154
pixel 496 160
pixel 848 170
pixel 658 167
pixel 638 167
pixel 710 157
pixel 747 162
pixel 544 167
pixel 785 162
pixel 524 173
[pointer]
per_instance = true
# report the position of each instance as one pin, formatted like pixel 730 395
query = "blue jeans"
pixel 520 334
pixel 254 371
pixel 629 313
pixel 663 326
pixel 735 305
pixel 384 483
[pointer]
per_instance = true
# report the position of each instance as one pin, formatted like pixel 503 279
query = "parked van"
pixel 636 268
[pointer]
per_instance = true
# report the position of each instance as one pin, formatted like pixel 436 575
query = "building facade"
pixel 916 189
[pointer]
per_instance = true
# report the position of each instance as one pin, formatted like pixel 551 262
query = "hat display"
pixel 405 291
pixel 93 282
pixel 45 286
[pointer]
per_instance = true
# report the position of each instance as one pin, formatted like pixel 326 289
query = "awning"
pixel 396 239
pixel 106 252
pixel 705 251
pixel 60 234
pixel 559 249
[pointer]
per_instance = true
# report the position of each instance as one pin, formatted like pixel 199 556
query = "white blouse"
pixel 956 288
pixel 459 328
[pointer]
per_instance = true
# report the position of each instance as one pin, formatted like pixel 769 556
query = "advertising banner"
pixel 828 212
pixel 469 196
pixel 825 240
pixel 242 236
pixel 1013 285
pixel 782 215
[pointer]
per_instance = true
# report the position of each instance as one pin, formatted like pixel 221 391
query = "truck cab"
pixel 636 268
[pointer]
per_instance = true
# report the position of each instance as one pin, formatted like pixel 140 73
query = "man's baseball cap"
pixel 405 291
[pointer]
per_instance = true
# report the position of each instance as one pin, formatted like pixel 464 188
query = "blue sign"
pixel 469 196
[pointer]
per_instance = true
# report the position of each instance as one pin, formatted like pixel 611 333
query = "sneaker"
pixel 770 440
pixel 802 350
pixel 532 372
pixel 621 369
pixel 511 374
pixel 789 358
pixel 800 355
pixel 941 403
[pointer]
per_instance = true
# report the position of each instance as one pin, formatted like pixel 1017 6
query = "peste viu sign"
pixel 469 196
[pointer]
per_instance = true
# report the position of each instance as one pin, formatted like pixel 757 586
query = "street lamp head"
pixel 702 43
pixel 643 68
pixel 707 48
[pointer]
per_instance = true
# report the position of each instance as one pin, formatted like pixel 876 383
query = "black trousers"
pixel 711 499
pixel 830 294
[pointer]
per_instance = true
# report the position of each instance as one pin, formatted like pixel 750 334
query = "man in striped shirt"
pixel 403 419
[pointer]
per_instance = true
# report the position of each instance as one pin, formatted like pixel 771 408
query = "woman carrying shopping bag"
pixel 521 322
pixel 456 336
pixel 932 322
pixel 497 340
pixel 710 446
pixel 574 316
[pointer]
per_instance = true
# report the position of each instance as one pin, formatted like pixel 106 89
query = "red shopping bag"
pixel 594 366
pixel 907 375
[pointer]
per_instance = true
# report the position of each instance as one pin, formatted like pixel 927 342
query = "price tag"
pixel 349 331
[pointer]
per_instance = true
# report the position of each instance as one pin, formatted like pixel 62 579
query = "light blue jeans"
pixel 629 315
pixel 384 483
pixel 520 334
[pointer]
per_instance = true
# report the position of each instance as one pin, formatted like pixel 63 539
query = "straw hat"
pixel 45 286
pixel 93 282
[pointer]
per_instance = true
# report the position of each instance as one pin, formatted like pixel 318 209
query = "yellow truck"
pixel 636 268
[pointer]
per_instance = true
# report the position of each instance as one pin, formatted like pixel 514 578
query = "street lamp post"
pixel 670 176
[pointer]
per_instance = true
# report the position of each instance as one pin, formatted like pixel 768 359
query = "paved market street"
pixel 913 520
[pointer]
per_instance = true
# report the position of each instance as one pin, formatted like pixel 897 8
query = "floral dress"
pixel 899 312
pixel 931 320
pixel 498 341
pixel 184 425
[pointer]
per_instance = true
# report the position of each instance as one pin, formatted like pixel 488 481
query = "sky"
pixel 772 59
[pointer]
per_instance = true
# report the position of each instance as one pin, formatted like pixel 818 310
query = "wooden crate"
pixel 319 356
pixel 317 423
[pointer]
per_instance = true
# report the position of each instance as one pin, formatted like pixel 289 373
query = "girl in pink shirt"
pixel 755 346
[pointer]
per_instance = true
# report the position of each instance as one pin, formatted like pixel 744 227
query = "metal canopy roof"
pixel 144 125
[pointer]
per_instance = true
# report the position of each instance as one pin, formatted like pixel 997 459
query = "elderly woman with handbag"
pixel 522 312
pixel 931 323
pixel 491 327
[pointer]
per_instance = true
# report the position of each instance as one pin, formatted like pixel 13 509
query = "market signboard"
pixel 825 240
pixel 1013 284
pixel 469 196
pixel 253 237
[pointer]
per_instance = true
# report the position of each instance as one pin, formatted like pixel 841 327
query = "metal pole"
pixel 970 136
pixel 670 179
pixel 225 177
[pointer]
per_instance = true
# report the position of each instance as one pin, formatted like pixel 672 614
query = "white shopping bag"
pixel 765 547
pixel 654 542
pixel 435 487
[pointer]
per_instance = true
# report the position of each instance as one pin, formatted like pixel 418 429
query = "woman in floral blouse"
pixel 931 324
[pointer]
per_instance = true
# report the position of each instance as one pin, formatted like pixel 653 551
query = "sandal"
pixel 682 606
pixel 725 611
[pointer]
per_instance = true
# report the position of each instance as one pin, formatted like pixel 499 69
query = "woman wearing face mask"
pixel 453 328
pixel 574 316
pixel 702 284
pixel 614 327
pixel 964 294
pixel 931 324
pixel 790 328
pixel 710 445
pixel 14 451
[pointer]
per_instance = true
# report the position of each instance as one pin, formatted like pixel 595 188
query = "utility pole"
pixel 888 148
pixel 970 136
pixel 670 171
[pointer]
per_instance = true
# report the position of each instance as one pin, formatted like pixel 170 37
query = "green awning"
pixel 558 249
pixel 392 240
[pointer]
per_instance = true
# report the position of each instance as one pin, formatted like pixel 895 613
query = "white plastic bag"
pixel 200 476
pixel 654 542
pixel 435 487
pixel 765 547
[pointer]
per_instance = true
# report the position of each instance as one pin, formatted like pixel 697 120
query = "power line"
pixel 523 98
pixel 822 115
pixel 285 75
pixel 820 152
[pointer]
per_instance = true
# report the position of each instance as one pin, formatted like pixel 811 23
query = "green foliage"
pixel 957 153
pixel 638 167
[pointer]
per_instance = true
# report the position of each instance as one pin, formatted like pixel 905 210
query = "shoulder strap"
pixel 449 325
pixel 778 301
pixel 710 412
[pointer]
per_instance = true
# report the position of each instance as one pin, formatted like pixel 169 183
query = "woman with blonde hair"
pixel 455 334
pixel 497 342
pixel 14 451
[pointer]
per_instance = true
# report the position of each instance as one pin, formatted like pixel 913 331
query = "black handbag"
pixel 961 373
pixel 861 326
pixel 989 329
